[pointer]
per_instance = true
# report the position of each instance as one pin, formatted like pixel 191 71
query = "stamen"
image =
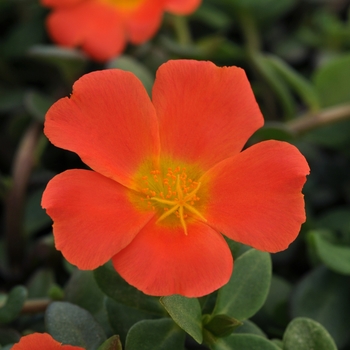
pixel 195 211
pixel 167 213
pixel 180 194
pixel 178 188
pixel 164 201
pixel 182 220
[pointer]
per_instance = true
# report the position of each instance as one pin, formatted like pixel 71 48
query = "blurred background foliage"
pixel 297 56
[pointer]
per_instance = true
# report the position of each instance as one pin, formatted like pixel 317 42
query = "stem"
pixel 182 30
pixel 250 33
pixel 260 63
pixel 34 306
pixel 312 121
pixel 23 164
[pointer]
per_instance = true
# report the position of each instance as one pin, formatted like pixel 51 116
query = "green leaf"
pixel 82 290
pixel 262 10
pixel 274 315
pixel 323 296
pixel 116 288
pixel 112 343
pixel 249 327
pixel 70 62
pixel 277 342
pixel 337 220
pixel 35 217
pixel 7 347
pixel 243 341
pixel 122 317
pixel 9 336
pixel 301 86
pixel 278 85
pixel 247 288
pixel 13 304
pixel 332 81
pixel 73 325
pixel 24 33
pixel 221 325
pixel 129 64
pixel 305 334
pixel 272 131
pixel 186 312
pixel 334 136
pixel 40 283
pixel 335 256
pixel 212 16
pixel 37 104
pixel 162 334
pixel 10 98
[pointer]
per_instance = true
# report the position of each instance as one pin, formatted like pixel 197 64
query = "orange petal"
pixel 164 261
pixel 59 3
pixel 41 341
pixel 93 217
pixel 99 30
pixel 182 7
pixel 109 121
pixel 206 113
pixel 143 24
pixel 255 197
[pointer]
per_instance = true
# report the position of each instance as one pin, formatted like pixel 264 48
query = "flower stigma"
pixel 173 194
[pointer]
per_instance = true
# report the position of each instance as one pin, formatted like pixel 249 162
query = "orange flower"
pixel 102 27
pixel 168 177
pixel 41 341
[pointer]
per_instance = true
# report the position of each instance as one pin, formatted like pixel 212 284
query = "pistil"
pixel 178 204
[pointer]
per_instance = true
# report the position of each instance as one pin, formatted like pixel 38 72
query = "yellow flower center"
pixel 126 5
pixel 173 193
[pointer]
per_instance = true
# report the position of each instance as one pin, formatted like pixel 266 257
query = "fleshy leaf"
pixel 35 218
pixel 9 336
pixel 69 62
pixel 332 81
pixel 222 325
pixel 243 341
pixel 13 304
pixel 249 327
pixel 248 287
pixel 129 64
pixel 323 296
pixel 304 334
pixel 122 317
pixel 186 312
pixel 116 288
pixel 277 84
pixel 37 104
pixel 40 283
pixel 112 343
pixel 162 334
pixel 302 87
pixel 82 290
pixel 73 325
pixel 335 256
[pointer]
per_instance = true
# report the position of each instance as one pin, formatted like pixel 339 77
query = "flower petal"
pixel 93 217
pixel 109 121
pixel 143 24
pixel 41 341
pixel 189 96
pixel 182 7
pixel 59 3
pixel 164 261
pixel 94 26
pixel 255 197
